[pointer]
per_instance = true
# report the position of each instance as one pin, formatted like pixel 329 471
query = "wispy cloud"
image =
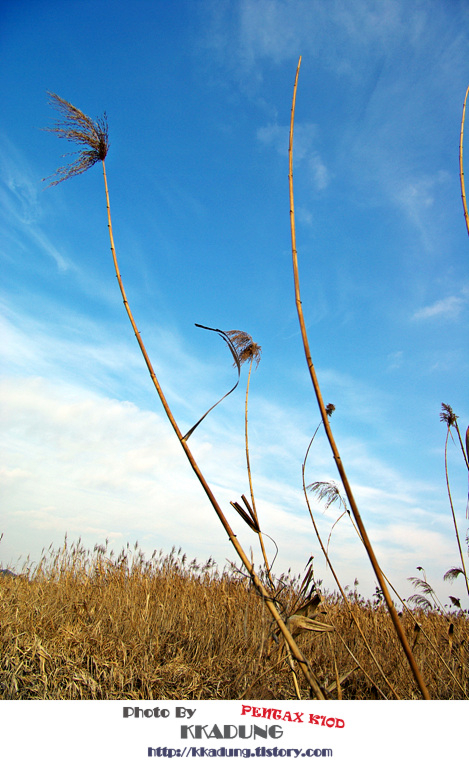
pixel 96 467
pixel 416 196
pixel 449 308
pixel 20 187
pixel 20 204
pixel 359 51
pixel 395 360
pixel 278 29
pixel 276 136
pixel 78 460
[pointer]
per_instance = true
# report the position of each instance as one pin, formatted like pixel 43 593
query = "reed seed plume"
pixel 78 128
pixel 328 492
pixel 447 415
pixel 245 347
pixel 452 574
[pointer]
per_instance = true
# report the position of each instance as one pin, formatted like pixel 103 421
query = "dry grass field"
pixel 89 626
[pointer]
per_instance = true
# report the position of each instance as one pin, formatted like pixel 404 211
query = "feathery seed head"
pixel 78 128
pixel 245 347
pixel 447 415
pixel 326 491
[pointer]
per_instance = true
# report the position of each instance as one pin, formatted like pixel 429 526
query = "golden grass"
pixel 88 626
pixel 78 128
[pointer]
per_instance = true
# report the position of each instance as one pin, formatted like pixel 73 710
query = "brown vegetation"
pixel 89 626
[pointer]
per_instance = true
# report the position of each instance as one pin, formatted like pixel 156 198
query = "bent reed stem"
pixel 341 589
pixel 461 168
pixel 299 657
pixel 335 452
pixel 248 467
pixel 453 514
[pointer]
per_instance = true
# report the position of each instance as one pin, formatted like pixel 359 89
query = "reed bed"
pixel 87 625
pixel 165 630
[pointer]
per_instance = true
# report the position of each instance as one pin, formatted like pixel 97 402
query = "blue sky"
pixel 198 97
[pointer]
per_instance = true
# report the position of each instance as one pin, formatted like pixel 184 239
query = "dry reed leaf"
pixel 298 623
pixel 236 363
pixel 341 681
pixel 450 637
pixel 310 607
pixel 248 517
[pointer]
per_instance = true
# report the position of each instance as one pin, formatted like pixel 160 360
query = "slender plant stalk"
pixel 461 168
pixel 251 489
pixel 360 667
pixel 306 668
pixel 465 451
pixel 451 419
pixel 255 355
pixel 335 452
pixel 80 129
pixel 339 585
pixel 421 627
pixel 461 554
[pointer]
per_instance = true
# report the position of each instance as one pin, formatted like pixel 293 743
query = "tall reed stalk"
pixel 325 420
pixel 461 167
pixel 451 419
pixel 248 351
pixel 78 128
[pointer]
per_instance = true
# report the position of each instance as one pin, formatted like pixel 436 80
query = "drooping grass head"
pixel 78 128
pixel 245 347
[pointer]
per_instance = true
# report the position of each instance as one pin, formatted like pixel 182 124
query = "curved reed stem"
pixel 299 657
pixel 461 168
pixel 335 452
pixel 419 623
pixel 448 488
pixel 251 489
pixel 339 585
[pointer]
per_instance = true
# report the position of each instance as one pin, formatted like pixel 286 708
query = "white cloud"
pixel 319 171
pixel 278 29
pixel 77 460
pixel 416 195
pixel 21 188
pixel 20 204
pixel 86 464
pixel 79 463
pixel 395 360
pixel 446 308
pixel 304 151
pixel 277 136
